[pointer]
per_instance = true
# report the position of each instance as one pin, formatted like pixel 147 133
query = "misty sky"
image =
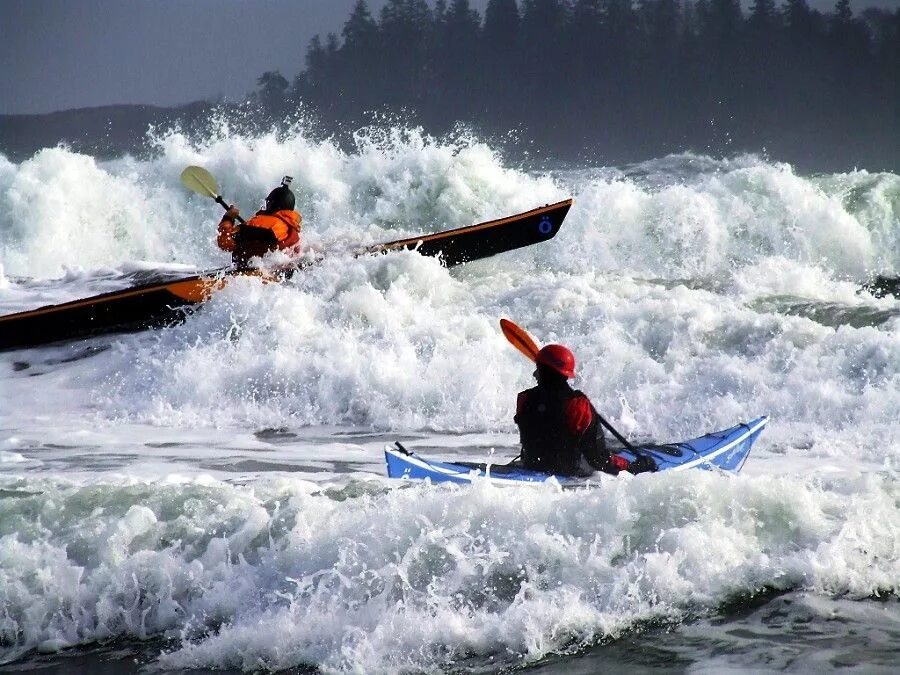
pixel 59 54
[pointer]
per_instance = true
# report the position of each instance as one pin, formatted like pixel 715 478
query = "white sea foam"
pixel 670 283
pixel 274 575
pixel 137 494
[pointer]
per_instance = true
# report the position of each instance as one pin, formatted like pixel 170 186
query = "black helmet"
pixel 281 198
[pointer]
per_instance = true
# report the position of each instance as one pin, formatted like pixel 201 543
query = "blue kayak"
pixel 725 450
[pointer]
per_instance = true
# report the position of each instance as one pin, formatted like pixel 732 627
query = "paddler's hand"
pixel 228 229
pixel 232 213
pixel 641 464
pixel 619 462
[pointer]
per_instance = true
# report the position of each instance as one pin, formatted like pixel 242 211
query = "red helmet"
pixel 558 358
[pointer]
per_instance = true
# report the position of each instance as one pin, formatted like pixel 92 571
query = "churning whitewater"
pixel 213 495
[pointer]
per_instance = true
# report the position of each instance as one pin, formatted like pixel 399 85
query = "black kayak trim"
pixel 160 304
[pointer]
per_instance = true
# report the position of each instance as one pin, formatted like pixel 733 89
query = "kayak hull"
pixel 165 303
pixel 725 450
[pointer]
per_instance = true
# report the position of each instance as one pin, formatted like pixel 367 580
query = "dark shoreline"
pixel 106 132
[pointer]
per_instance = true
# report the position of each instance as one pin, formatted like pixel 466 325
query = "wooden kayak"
pixel 163 303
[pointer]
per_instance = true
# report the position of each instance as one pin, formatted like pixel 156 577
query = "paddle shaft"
pixel 615 433
pixel 225 206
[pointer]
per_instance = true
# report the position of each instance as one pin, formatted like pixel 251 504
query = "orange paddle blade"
pixel 519 339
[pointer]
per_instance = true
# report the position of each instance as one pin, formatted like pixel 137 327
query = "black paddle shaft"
pixel 615 433
pixel 640 454
pixel 225 206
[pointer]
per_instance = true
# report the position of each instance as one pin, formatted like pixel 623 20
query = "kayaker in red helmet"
pixel 559 428
pixel 274 228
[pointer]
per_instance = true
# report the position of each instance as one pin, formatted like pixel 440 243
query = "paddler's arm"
pixel 600 457
pixel 579 414
pixel 228 229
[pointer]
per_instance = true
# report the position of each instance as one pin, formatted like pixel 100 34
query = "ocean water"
pixel 212 496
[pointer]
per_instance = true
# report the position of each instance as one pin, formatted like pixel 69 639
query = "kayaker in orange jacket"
pixel 275 228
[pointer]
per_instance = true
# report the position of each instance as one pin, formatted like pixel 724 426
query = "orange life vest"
pixel 263 233
pixel 285 225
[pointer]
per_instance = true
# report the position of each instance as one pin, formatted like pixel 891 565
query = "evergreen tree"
pixel 542 25
pixel 630 77
pixel 761 66
pixel 498 62
pixel 501 24
pixel 272 89
pixel 359 79
pixel 587 13
pixel 620 30
pixel 849 69
pixel 454 61
pixel 439 14
pixel 847 35
pixel 316 62
pixel 406 31
pixel 661 21
pixel 842 11
pixel 586 35
pixel 800 22
pixel 461 25
pixel 360 31
pixel 763 17
pixel 542 51
pixel 724 21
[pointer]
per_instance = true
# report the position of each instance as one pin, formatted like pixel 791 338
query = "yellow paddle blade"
pixel 200 180
pixel 519 339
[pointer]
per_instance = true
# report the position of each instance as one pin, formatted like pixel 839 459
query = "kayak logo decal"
pixel 545 226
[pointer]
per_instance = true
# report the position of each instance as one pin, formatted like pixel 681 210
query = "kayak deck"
pixel 726 450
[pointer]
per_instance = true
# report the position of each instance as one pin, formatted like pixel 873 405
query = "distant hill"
pixel 102 131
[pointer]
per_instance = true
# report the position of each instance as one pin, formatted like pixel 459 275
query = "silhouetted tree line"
pixel 620 79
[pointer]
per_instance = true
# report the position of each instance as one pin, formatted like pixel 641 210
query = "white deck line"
pixel 705 459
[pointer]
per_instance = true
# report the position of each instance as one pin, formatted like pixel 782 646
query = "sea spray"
pixel 220 483
pixel 61 208
pixel 275 573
